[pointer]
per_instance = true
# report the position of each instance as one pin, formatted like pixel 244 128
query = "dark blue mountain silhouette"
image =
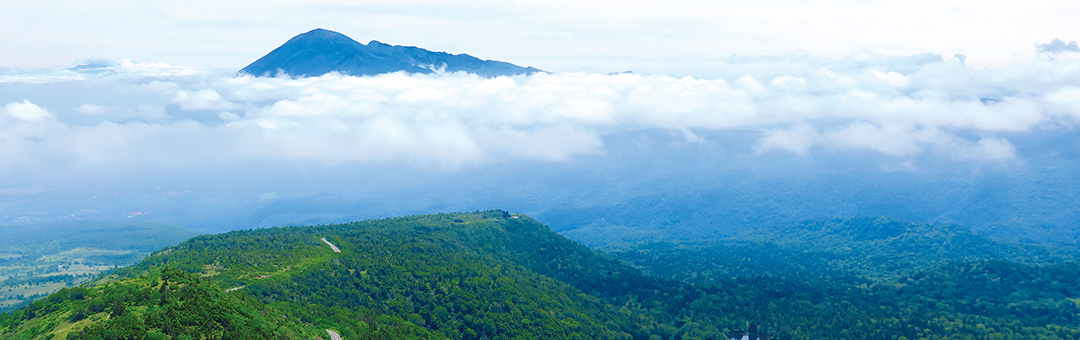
pixel 321 51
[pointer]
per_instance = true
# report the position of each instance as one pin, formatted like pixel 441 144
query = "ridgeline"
pixel 496 275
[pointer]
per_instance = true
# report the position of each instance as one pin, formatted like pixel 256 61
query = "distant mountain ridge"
pixel 876 249
pixel 322 51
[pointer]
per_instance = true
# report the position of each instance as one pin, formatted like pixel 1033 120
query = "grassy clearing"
pixel 83 254
pixel 29 289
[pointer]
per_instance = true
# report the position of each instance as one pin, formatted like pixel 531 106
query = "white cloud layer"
pixel 1058 46
pixel 157 115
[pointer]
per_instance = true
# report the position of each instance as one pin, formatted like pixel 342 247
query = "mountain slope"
pixel 495 275
pixel 470 265
pixel 39 259
pixel 170 304
pixel 321 51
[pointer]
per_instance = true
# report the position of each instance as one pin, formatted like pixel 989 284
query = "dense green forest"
pixel 876 249
pixel 495 275
pixel 944 275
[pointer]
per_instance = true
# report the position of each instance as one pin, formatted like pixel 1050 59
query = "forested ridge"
pixel 495 275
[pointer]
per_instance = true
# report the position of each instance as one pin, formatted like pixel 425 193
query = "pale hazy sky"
pixel 161 109
pixel 810 76
pixel 676 37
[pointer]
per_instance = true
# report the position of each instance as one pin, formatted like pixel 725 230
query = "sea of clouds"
pixel 104 114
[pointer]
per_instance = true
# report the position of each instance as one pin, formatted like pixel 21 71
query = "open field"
pixel 32 265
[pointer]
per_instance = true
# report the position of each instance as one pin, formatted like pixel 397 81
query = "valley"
pixel 41 259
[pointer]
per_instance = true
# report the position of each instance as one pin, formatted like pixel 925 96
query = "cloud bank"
pixel 106 114
pixel 1058 46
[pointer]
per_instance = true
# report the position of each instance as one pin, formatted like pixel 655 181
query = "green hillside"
pixel 39 259
pixel 495 275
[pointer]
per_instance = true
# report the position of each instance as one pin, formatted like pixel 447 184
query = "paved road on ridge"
pixel 332 246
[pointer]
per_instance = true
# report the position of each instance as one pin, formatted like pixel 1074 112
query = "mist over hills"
pixel 654 191
pixel 601 158
pixel 322 51
pixel 649 185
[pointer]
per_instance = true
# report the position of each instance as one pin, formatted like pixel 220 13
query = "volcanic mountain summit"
pixel 322 51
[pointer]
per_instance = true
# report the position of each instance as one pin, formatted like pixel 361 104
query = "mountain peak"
pixel 321 51
pixel 321 31
pixel 323 34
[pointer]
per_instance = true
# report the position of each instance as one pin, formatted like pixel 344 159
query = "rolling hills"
pixel 496 275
